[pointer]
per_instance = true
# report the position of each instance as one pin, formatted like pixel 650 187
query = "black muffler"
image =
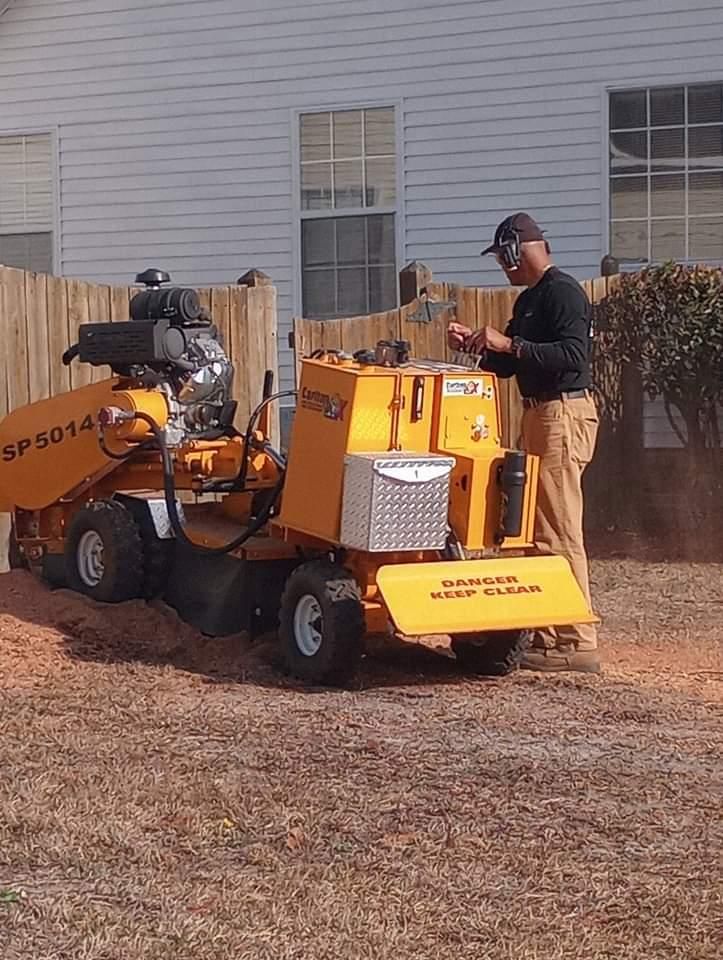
pixel 512 478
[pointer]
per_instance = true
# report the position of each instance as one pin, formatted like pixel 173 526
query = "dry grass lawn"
pixel 168 797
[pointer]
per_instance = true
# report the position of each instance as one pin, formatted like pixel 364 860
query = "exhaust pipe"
pixel 512 478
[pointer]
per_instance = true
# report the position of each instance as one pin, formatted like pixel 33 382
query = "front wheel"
pixel 104 553
pixel 492 654
pixel 321 624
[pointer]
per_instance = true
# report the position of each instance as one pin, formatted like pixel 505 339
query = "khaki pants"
pixel 563 433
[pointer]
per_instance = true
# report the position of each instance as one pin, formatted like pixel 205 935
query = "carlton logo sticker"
pixel 473 387
pixel 482 586
pixel 332 406
pixel 467 387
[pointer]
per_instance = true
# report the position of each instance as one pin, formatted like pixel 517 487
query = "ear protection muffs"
pixel 509 250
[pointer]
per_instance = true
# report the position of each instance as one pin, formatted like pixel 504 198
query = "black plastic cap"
pixel 153 278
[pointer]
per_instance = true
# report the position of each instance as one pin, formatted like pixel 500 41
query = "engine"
pixel 170 343
pixel 199 400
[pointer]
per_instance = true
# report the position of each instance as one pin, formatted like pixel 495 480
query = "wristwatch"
pixel 517 345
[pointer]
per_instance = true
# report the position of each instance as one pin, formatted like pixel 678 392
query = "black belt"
pixel 549 397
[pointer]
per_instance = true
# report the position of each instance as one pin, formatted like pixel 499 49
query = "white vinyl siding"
pixel 176 143
pixel 658 434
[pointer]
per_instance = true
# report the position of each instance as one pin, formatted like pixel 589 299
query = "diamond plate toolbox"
pixel 395 501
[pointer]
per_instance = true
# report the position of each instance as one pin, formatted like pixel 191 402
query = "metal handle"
pixel 417 399
pixel 417 473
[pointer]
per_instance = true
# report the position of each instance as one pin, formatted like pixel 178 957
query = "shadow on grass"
pixel 236 660
pixel 152 634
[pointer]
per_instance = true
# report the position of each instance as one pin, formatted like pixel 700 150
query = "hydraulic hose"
pixel 278 458
pixel 231 486
pixel 169 491
pixel 123 457
pixel 241 479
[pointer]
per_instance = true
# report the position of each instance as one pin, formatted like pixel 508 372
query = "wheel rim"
pixel 90 558
pixel 308 625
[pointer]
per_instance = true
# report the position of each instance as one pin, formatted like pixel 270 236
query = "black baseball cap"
pixel 520 223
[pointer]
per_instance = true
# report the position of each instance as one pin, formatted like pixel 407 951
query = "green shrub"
pixel 668 322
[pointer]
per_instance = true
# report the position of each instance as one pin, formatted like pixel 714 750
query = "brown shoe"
pixel 556 659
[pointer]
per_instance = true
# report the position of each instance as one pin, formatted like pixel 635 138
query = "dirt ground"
pixel 164 796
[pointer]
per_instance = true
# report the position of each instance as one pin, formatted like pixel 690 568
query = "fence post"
pixel 254 278
pixel 261 344
pixel 609 266
pixel 412 280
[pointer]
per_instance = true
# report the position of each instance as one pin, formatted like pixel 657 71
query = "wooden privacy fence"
pixel 40 317
pixel 423 321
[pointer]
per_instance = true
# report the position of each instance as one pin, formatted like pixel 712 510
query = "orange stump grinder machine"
pixel 395 510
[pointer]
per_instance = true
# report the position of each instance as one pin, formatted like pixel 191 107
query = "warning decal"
pixel 482 586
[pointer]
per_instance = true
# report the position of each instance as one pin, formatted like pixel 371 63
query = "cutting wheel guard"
pixel 472 596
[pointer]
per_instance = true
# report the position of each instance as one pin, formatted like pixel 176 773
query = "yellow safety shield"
pixel 471 596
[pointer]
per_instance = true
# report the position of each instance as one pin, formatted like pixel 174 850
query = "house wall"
pixel 174 120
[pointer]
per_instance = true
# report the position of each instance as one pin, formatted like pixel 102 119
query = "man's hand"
pixel 457 336
pixel 496 341
pixel 460 337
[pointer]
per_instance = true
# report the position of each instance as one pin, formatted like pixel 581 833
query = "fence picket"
pixel 99 308
pixel 220 311
pixel 120 304
pixel 255 360
pixel 17 337
pixel 36 305
pixel 4 338
pixel 78 313
pixel 271 345
pixel 58 334
pixel 238 346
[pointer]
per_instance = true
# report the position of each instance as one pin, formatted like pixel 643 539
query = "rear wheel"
pixel 321 624
pixel 492 654
pixel 53 570
pixel 158 552
pixel 104 553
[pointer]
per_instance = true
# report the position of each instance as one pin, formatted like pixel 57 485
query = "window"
pixel 348 186
pixel 26 202
pixel 666 173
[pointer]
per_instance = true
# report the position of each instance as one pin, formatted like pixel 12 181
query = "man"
pixel 546 346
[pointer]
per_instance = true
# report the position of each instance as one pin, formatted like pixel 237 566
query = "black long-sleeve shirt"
pixel 553 321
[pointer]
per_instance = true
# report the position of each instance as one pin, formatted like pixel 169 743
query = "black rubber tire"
pixel 157 559
pixel 53 572
pixel 342 624
pixel 157 553
pixel 493 654
pixel 122 577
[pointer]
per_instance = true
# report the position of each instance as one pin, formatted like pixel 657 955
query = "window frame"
pixel 51 131
pixel 299 214
pixel 649 83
